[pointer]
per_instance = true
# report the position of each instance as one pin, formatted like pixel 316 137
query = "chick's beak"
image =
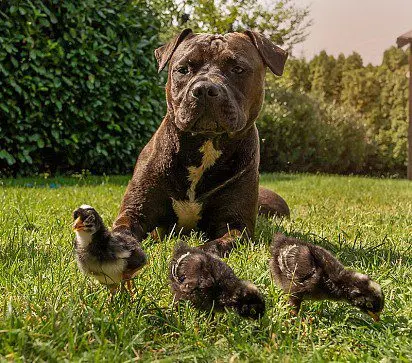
pixel 78 224
pixel 374 316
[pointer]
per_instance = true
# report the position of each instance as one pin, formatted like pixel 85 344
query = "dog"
pixel 200 169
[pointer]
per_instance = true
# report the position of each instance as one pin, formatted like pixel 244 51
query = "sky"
pixel 365 26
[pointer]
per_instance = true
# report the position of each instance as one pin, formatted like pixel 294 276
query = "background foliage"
pixel 281 20
pixel 79 88
pixel 78 85
pixel 337 115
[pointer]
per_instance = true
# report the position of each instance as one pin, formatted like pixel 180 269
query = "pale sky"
pixel 366 26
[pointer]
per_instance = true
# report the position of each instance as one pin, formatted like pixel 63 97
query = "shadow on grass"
pixel 345 251
pixel 58 182
pixel 93 180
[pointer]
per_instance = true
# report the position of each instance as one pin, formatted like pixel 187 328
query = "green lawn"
pixel 49 311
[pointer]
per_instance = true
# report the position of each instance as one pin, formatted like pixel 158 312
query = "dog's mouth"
pixel 206 125
pixel 206 133
pixel 210 120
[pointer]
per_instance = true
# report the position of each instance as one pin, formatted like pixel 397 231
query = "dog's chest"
pixel 189 210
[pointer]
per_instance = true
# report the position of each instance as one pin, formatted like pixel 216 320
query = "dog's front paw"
pixel 218 247
pixel 211 247
pixel 222 246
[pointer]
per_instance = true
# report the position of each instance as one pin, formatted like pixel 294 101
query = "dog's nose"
pixel 205 89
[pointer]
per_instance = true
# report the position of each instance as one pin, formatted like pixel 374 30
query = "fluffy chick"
pixel 108 257
pixel 306 271
pixel 209 283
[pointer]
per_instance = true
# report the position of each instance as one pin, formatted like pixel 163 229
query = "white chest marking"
pixel 189 211
pixel 210 155
pixel 83 238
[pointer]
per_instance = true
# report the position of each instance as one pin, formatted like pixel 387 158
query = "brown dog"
pixel 200 169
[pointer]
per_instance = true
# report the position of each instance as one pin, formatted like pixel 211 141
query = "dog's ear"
pixel 273 56
pixel 165 52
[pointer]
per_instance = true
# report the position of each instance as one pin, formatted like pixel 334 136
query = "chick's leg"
pixel 295 303
pixel 128 284
pixel 113 289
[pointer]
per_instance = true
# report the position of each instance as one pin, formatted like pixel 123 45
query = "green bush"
pixel 299 133
pixel 373 99
pixel 78 84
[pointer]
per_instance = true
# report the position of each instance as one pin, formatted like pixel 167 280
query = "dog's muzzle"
pixel 208 108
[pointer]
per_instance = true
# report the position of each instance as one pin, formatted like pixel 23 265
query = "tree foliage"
pixel 282 21
pixel 300 132
pixel 360 108
pixel 78 84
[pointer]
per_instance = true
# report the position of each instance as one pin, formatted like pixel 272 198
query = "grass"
pixel 50 312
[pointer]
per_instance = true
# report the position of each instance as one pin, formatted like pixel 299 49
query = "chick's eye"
pixel 237 69
pixel 369 305
pixel 90 218
pixel 183 69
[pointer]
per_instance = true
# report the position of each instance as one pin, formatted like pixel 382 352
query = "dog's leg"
pixel 231 214
pixel 272 204
pixel 127 224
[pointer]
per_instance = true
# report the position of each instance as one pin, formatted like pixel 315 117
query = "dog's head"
pixel 216 82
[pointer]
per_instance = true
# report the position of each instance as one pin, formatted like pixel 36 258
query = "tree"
pixel 394 58
pixel 337 77
pixel 361 89
pixel 281 21
pixel 352 62
pixel 391 136
pixel 296 75
pixel 322 75
pixel 363 109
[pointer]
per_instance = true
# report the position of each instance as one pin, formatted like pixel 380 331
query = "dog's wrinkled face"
pixel 215 83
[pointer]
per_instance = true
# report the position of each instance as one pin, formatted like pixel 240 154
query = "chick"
pixel 108 257
pixel 306 271
pixel 209 283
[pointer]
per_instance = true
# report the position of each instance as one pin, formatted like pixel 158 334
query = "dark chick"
pixel 102 255
pixel 209 283
pixel 306 271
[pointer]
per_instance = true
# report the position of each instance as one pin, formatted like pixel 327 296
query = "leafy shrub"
pixel 299 133
pixel 353 96
pixel 78 84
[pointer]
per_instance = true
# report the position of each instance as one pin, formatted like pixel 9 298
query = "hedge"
pixel 302 134
pixel 79 87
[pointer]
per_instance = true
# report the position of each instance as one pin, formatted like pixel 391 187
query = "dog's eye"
pixel 183 70
pixel 237 70
pixel 182 279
